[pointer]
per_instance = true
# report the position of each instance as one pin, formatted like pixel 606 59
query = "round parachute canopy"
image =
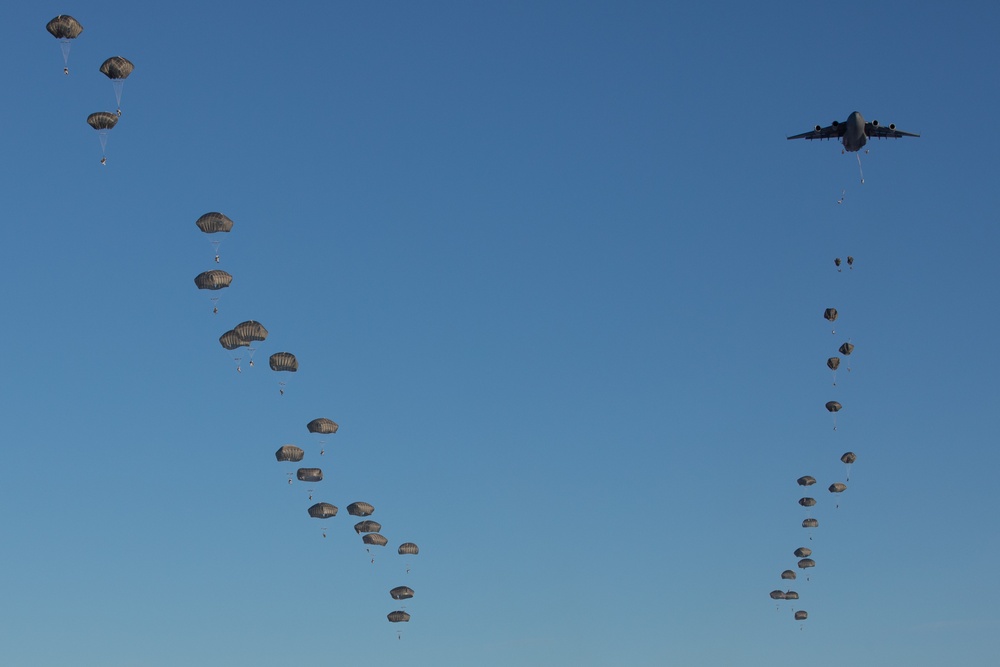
pixel 801 615
pixel 213 280
pixel 807 502
pixel 360 509
pixel 309 474
pixel 807 562
pixel 806 480
pixel 836 261
pixel 367 526
pixel 117 67
pixel 322 425
pixel 850 261
pixel 232 340
pixel 833 363
pixel 802 552
pixel 838 487
pixel 322 511
pixel 791 595
pixel 401 593
pixel 64 27
pixel 848 458
pixel 102 120
pixel 251 330
pixel 213 222
pixel 398 617
pixel 810 523
pixel 830 314
pixel 408 548
pixel 777 595
pixel 374 538
pixel 833 406
pixel 289 453
pixel 846 349
pixel 284 361
pixel 788 574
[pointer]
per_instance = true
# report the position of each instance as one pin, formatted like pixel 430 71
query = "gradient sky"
pixel 557 273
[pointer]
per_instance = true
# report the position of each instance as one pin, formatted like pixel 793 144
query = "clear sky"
pixel 558 275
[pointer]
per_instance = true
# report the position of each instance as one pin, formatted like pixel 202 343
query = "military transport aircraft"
pixel 854 132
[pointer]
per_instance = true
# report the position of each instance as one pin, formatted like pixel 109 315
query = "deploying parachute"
pixel 117 69
pixel 212 223
pixel 103 122
pixel 64 28
pixel 360 509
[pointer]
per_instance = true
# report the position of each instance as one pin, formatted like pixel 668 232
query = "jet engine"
pixel 892 126
pixel 819 127
pixel 874 123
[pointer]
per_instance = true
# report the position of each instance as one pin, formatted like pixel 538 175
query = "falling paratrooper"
pixel 64 28
pixel 213 280
pixel 213 223
pixel 834 407
pixel 830 315
pixel 117 69
pixel 103 122
pixel 283 362
pixel 848 460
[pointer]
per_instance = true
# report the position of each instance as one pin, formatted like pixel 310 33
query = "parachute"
pixel 367 526
pixel 836 262
pixel 289 453
pixel 213 280
pixel 807 502
pixel 398 617
pixel 212 223
pixel 801 615
pixel 117 69
pixel 284 361
pixel 791 595
pixel 309 474
pixel 806 562
pixel 408 548
pixel 322 425
pixel 777 595
pixel 846 349
pixel 806 480
pixel 848 458
pixel 401 593
pixel 323 511
pixel 802 552
pixel 850 262
pixel 360 509
pixel 830 314
pixel 810 523
pixel 838 487
pixel 251 331
pixel 374 538
pixel 834 407
pixel 788 574
pixel 64 28
pixel 833 363
pixel 103 122
pixel 233 341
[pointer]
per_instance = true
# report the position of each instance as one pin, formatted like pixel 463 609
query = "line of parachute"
pixel 243 339
pixel 66 29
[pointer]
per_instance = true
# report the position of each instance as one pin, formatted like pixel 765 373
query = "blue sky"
pixel 557 273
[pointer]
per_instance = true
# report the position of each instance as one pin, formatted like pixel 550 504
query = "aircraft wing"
pixel 882 132
pixel 828 132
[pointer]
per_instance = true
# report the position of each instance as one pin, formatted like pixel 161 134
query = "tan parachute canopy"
pixel 401 593
pixel 64 26
pixel 284 361
pixel 801 615
pixel 807 502
pixel 251 330
pixel 232 340
pixel 802 552
pixel 309 474
pixel 289 453
pixel 833 363
pixel 788 574
pixel 830 314
pixel 367 526
pixel 360 509
pixel 791 595
pixel 374 538
pixel 810 523
pixel 833 406
pixel 322 511
pixel 117 67
pixel 806 562
pixel 213 280
pixel 102 120
pixel 806 480
pixel 777 595
pixel 848 458
pixel 213 222
pixel 408 548
pixel 846 348
pixel 838 487
pixel 322 425
pixel 398 617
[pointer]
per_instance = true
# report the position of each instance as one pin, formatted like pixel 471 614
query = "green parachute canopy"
pixel 213 280
pixel 289 453
pixel 322 425
pixel 213 222
pixel 360 509
pixel 322 511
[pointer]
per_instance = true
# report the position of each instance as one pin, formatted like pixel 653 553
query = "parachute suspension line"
pixel 103 136
pixel 251 350
pixel 843 193
pixel 215 304
pixel 118 83
pixel 858 155
pixel 215 249
pixel 64 45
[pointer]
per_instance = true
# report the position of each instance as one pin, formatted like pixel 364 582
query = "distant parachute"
pixel 791 595
pixel 846 350
pixel 213 280
pixel 367 526
pixel 283 361
pixel 838 487
pixel 103 122
pixel 401 593
pixel 836 261
pixel 212 223
pixel 777 595
pixel 309 474
pixel 64 28
pixel 802 552
pixel 322 425
pixel 801 615
pixel 806 480
pixel 830 314
pixel 810 523
pixel 408 548
pixel 117 69
pixel 360 509
pixel 233 341
pixel 788 574
pixel 252 332
pixel 374 538
pixel 323 511
pixel 289 453
pixel 806 562
pixel 848 459
pixel 807 502
pixel 850 261
pixel 834 407
pixel 398 617
pixel 833 363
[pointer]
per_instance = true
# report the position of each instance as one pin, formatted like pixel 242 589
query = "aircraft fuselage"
pixel 854 133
